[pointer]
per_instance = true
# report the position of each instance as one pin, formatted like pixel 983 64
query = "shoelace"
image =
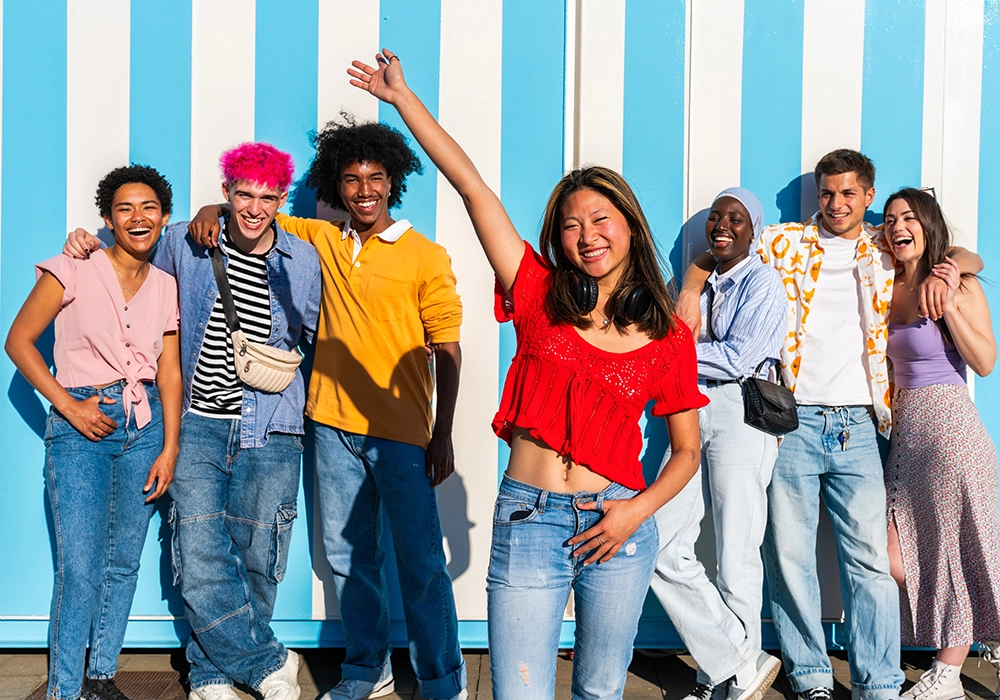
pixel 817 694
pixel 930 678
pixel 701 692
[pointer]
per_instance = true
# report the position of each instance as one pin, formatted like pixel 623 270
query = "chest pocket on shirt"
pixel 389 299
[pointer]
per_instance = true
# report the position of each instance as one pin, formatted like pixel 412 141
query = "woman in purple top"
pixel 111 438
pixel 941 478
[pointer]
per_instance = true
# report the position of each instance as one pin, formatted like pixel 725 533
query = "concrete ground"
pixel 157 675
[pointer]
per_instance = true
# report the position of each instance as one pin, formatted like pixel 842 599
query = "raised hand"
pixel 948 272
pixel 80 244
pixel 384 82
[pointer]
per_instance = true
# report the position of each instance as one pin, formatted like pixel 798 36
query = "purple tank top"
pixel 921 357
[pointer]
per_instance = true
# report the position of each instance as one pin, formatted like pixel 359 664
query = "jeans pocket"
pixel 510 511
pixel 175 545
pixel 281 539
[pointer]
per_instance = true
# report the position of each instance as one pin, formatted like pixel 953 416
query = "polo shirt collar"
pixel 390 235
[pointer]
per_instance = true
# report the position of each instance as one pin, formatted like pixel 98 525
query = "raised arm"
pixel 501 242
pixel 968 317
pixel 689 300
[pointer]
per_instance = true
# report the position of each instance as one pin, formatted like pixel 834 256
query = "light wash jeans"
pixel 100 519
pixel 358 474
pixel 531 574
pixel 232 523
pixel 812 465
pixel 719 623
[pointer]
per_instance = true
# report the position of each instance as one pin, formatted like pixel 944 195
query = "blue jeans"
pixel 232 524
pixel 812 465
pixel 100 519
pixel 720 622
pixel 531 574
pixel 358 474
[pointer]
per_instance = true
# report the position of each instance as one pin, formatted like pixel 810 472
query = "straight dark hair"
pixel 642 267
pixel 937 236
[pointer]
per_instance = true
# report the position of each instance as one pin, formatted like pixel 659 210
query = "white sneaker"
pixel 216 691
pixel 283 683
pixel 353 689
pixel 940 682
pixel 463 694
pixel 753 680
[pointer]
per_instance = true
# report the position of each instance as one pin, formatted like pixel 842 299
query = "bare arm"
pixel 440 451
pixel 501 242
pixel 38 311
pixel 204 227
pixel 168 382
pixel 623 517
pixel 968 317
pixel 689 300
pixel 934 291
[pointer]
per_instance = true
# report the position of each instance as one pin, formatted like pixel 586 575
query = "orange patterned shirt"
pixel 794 250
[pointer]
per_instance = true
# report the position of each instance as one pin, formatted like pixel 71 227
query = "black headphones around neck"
pixel 633 305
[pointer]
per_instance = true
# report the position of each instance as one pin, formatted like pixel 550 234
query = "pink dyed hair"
pixel 258 162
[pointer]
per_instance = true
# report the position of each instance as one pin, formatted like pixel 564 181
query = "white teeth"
pixel 591 253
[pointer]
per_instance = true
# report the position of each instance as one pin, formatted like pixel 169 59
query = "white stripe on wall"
pixel 932 146
pixel 348 30
pixel 601 83
pixel 715 90
pixel 97 102
pixel 959 193
pixel 833 42
pixel 471 29
pixel 222 89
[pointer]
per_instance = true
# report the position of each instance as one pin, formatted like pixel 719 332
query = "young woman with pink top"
pixel 111 438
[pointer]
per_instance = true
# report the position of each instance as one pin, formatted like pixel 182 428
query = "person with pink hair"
pixel 237 475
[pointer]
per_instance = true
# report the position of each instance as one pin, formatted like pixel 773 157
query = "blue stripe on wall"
pixel 653 119
pixel 160 128
pixel 771 148
pixel 988 389
pixel 413 30
pixel 531 136
pixel 287 72
pixel 892 100
pixel 34 221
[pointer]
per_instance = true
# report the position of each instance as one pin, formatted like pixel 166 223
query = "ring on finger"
pixel 600 541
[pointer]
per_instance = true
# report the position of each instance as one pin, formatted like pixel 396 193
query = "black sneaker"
pixel 701 692
pixel 819 693
pixel 101 689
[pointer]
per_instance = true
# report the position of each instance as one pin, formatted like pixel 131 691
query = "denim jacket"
pixel 294 278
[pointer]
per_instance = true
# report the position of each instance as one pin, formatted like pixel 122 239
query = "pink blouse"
pixel 101 338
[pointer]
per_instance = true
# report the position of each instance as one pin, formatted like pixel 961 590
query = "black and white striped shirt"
pixel 216 391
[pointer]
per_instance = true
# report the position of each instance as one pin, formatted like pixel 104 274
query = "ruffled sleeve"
pixel 679 389
pixel 63 268
pixel 528 285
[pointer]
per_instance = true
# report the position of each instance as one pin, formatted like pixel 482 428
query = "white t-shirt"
pixel 834 370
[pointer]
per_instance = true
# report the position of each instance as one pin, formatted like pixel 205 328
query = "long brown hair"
pixel 937 236
pixel 642 266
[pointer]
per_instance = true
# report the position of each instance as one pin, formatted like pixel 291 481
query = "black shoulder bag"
pixel 767 406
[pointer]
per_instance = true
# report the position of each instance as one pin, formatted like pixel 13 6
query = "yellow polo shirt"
pixel 381 303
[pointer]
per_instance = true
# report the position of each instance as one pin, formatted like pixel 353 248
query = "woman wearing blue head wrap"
pixel 744 320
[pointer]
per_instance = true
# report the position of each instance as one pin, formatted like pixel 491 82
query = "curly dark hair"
pixel 345 142
pixel 142 174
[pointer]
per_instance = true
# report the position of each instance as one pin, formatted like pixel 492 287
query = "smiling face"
pixel 843 201
pixel 595 236
pixel 364 189
pixel 254 207
pixel 136 219
pixel 904 232
pixel 729 232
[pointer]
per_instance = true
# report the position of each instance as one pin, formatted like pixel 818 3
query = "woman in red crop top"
pixel 596 341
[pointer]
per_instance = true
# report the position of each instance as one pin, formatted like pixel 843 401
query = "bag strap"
pixel 222 280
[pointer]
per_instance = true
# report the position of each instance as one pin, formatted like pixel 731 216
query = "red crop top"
pixel 582 401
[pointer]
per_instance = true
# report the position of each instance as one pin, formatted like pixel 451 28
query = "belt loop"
pixel 599 501
pixel 540 503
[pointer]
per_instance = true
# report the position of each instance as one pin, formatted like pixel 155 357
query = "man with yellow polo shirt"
pixel 388 292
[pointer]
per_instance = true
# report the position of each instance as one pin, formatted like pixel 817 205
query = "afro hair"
pixel 343 143
pixel 258 162
pixel 141 174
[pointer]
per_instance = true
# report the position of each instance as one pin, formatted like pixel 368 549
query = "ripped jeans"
pixel 531 574
pixel 232 523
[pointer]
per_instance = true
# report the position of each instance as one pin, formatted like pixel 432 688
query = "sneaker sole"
pixel 767 673
pixel 383 691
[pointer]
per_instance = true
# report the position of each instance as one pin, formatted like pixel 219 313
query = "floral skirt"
pixel 941 486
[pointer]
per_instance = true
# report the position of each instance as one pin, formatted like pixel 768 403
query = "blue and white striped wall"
pixel 685 97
